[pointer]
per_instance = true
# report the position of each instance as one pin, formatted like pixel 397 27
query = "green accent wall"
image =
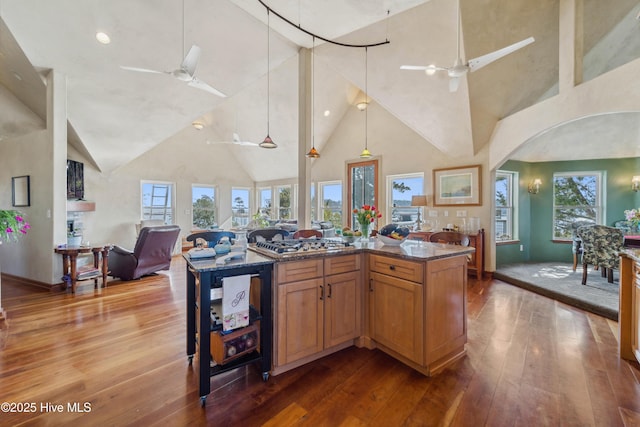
pixel 535 213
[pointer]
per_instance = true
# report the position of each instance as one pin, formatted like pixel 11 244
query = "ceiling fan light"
pixel 365 154
pixel 268 143
pixel 313 153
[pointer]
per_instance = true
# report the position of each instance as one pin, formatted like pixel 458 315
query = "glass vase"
pixel 365 229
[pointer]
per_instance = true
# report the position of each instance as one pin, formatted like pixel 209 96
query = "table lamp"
pixel 419 201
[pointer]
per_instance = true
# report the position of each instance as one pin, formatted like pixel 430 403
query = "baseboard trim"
pixel 29 282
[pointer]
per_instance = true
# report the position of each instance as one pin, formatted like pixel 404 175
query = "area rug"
pixel 560 282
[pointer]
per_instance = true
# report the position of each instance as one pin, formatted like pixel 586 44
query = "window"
pixel 240 208
pixel 400 190
pixel 265 202
pixel 330 194
pixel 363 186
pixel 314 201
pixel 203 206
pixel 506 206
pixel 577 197
pixel 284 202
pixel 158 201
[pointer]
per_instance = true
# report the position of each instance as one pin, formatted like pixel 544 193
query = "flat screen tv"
pixel 75 180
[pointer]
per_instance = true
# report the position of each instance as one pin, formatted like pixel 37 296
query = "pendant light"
pixel 268 142
pixel 365 153
pixel 313 153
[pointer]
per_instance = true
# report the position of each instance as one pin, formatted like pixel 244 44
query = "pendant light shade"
pixel 268 142
pixel 313 153
pixel 365 153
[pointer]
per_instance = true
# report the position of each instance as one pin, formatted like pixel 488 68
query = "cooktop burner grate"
pixel 283 246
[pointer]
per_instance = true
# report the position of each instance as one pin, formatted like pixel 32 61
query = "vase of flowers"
pixel 633 216
pixel 366 216
pixel 12 225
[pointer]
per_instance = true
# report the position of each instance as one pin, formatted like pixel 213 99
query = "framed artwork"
pixel 461 186
pixel 20 191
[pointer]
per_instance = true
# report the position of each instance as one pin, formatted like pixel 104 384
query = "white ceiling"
pixel 116 115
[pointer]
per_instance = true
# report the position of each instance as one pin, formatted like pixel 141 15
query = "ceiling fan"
pixel 236 141
pixel 460 68
pixel 185 73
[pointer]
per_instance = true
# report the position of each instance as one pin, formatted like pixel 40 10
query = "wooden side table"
pixel 70 264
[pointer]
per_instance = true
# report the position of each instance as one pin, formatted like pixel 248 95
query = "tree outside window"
pixel 577 197
pixel 204 207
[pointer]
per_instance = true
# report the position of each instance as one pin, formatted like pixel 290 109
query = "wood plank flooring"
pixel 121 350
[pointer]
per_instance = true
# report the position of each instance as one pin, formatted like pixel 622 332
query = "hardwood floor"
pixel 121 350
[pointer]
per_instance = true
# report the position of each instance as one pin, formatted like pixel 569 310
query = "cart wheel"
pixel 203 401
pixel 190 357
pixel 265 376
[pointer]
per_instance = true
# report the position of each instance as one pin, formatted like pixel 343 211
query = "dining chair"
pixel 307 233
pixel 266 234
pixel 450 237
pixel 211 237
pixel 601 246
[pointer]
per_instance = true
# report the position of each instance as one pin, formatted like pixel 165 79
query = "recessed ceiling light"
pixel 327 113
pixel 198 125
pixel 17 76
pixel 103 37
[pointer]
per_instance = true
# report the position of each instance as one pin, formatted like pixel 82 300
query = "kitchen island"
pixel 408 301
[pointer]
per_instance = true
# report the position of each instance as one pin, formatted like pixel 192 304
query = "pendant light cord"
pixel 366 96
pixel 317 36
pixel 313 92
pixel 268 69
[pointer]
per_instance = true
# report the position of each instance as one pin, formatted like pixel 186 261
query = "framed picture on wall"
pixel 20 191
pixel 459 186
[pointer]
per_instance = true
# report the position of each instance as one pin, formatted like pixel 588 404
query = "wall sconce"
pixel 635 183
pixel 534 187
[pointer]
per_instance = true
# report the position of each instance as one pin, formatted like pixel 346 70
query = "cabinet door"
pixel 635 322
pixel 300 320
pixel 397 315
pixel 342 308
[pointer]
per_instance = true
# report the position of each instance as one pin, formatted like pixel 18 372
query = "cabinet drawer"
pixel 298 270
pixel 341 264
pixel 400 268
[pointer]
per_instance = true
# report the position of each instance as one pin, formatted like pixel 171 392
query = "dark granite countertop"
pixel 244 259
pixel 409 249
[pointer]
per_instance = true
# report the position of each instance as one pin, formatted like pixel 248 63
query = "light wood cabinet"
pixel 629 314
pixel 318 309
pixel 417 310
pixel 635 312
pixel 395 305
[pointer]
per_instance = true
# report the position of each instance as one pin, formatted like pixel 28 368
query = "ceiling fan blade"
pixel 143 70
pixel 191 60
pixel 413 67
pixel 481 61
pixel 199 84
pixel 454 82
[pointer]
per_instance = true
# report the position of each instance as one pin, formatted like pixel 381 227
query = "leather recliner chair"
pixel 151 253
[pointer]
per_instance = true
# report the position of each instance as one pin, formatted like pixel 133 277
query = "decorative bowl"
pixel 390 241
pixel 349 239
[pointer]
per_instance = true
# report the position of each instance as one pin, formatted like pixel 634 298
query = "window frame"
pixel 351 166
pixel 513 178
pixel 390 202
pixel 321 209
pixel 249 208
pixel 172 204
pixel 264 210
pixel 278 189
pixel 214 209
pixel 600 198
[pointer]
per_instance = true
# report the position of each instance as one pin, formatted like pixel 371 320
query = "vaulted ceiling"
pixel 115 115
